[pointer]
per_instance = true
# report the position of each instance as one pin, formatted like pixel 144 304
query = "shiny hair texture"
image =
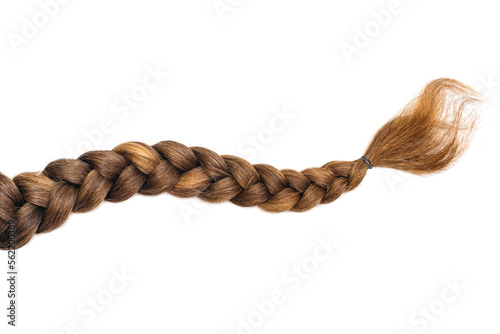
pixel 428 135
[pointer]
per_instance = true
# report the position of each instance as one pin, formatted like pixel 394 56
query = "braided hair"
pixel 428 135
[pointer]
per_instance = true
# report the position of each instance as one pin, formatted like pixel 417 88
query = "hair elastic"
pixel 367 162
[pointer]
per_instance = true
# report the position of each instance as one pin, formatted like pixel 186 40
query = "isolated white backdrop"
pixel 304 80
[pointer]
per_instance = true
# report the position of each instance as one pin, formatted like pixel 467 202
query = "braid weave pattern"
pixel 41 202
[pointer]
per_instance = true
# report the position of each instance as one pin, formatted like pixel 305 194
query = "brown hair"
pixel 429 134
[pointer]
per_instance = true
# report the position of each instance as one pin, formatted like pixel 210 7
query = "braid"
pixel 427 136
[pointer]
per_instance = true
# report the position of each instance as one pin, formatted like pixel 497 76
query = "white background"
pixel 198 268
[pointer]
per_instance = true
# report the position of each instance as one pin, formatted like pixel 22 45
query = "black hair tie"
pixel 367 162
